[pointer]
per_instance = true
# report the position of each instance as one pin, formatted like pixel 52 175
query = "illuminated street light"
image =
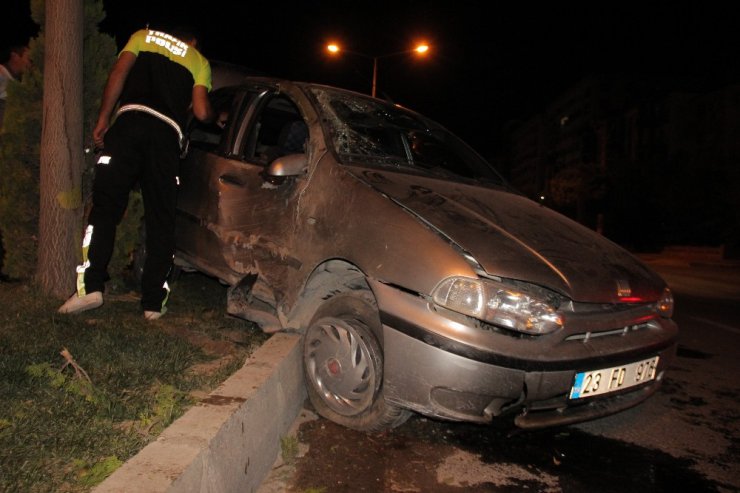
pixel 421 49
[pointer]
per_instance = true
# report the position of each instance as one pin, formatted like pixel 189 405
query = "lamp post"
pixel 421 49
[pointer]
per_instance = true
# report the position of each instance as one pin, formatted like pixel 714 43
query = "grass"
pixel 83 393
pixel 289 448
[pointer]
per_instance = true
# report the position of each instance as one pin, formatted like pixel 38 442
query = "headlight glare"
pixel 498 304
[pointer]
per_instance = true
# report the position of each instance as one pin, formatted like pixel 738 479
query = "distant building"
pixel 647 161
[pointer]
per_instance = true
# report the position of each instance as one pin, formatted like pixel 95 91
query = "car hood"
pixel 514 237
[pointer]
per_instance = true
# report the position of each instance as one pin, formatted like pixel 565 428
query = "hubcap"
pixel 339 366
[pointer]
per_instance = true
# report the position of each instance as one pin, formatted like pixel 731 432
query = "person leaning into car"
pixel 158 77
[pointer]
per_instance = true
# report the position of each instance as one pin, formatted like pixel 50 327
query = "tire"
pixel 343 364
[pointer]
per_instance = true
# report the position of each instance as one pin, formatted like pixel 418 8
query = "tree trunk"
pixel 61 149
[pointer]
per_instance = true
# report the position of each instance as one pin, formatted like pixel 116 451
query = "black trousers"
pixel 139 148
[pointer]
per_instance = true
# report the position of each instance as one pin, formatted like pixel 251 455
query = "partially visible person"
pixel 158 78
pixel 14 61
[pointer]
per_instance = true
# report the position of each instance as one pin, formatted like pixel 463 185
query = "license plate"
pixel 599 382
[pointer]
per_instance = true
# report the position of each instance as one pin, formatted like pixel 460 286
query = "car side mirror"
pixel 289 165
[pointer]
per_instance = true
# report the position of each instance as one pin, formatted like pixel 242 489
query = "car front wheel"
pixel 343 363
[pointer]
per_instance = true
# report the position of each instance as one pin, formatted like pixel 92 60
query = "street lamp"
pixel 420 49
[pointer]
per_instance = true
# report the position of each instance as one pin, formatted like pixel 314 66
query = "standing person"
pixel 14 61
pixel 157 78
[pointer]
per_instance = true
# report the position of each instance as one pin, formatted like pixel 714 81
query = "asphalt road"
pixel 685 438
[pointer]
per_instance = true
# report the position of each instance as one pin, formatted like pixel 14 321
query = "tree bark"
pixel 61 149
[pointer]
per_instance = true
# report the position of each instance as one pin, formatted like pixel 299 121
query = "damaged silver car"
pixel 420 280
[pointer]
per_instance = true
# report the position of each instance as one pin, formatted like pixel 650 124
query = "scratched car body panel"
pixel 421 280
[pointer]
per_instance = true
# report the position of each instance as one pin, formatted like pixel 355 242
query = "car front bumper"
pixel 441 367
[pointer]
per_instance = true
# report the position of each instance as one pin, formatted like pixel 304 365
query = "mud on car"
pixel 420 280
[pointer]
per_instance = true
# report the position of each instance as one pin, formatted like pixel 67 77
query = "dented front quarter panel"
pixel 343 217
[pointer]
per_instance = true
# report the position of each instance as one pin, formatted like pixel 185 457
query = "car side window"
pixel 279 129
pixel 208 136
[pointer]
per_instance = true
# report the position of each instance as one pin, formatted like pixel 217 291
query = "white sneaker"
pixel 152 315
pixel 77 304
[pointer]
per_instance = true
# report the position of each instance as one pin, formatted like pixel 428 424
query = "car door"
pixel 233 220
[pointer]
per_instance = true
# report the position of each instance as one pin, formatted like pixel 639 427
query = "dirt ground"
pixel 422 455
pixel 425 455
pixel 419 456
pixel 331 458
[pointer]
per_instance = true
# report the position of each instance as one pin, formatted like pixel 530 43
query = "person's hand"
pixel 99 133
pixel 223 117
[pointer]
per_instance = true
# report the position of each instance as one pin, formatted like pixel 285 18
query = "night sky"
pixel 489 63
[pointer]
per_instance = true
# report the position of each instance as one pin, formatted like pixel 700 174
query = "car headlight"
pixel 665 304
pixel 498 304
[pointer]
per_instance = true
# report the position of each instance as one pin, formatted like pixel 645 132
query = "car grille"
pixel 586 336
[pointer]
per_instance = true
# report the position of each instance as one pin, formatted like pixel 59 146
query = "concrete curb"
pixel 229 441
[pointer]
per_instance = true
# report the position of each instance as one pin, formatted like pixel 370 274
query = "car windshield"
pixel 366 131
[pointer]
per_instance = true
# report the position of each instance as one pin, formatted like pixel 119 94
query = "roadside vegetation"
pixel 83 393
